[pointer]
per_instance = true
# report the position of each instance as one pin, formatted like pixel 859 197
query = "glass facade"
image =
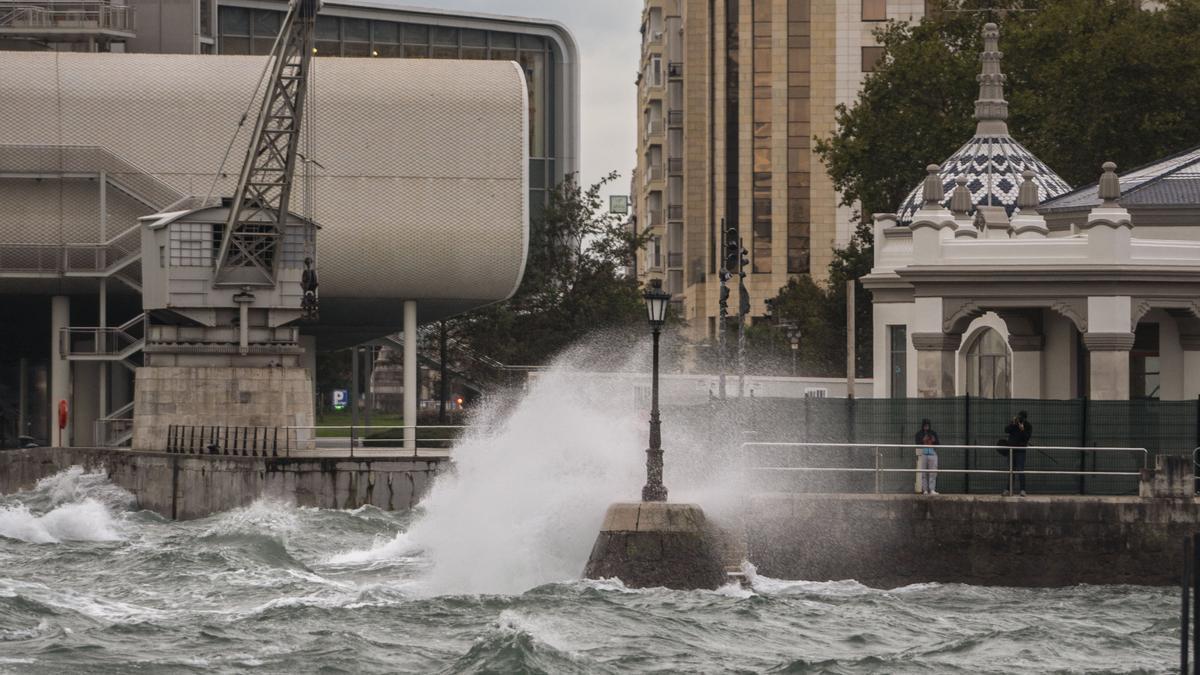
pixel 762 165
pixel 243 30
pixel 798 134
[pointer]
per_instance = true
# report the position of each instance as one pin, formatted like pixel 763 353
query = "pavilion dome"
pixel 992 161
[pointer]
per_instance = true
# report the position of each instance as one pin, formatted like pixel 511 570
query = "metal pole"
pixel 967 440
pixel 654 491
pixel 850 356
pixel 722 315
pixel 443 354
pixel 741 353
pixel 368 391
pixel 354 386
pixel 876 470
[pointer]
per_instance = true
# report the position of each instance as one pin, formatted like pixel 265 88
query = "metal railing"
pixel 879 469
pixel 675 212
pixel 99 258
pixel 66 16
pixel 674 118
pixel 654 127
pixel 226 441
pixel 113 431
pixel 674 69
pixel 352 441
pixel 381 437
pixel 653 172
pixel 674 165
pixel 115 341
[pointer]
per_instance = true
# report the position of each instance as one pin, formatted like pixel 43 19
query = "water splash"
pixel 71 505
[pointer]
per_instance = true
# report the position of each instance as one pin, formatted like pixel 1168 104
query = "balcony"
pixel 66 21
pixel 675 212
pixel 674 260
pixel 675 70
pixel 653 172
pixel 674 166
pixel 675 118
pixel 654 218
pixel 654 128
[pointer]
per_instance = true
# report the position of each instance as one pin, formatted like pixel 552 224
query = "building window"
pixel 874 10
pixel 871 58
pixel 898 360
pixel 1144 368
pixel 798 131
pixel 987 365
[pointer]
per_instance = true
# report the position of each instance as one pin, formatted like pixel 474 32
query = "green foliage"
pixel 574 283
pixel 1088 81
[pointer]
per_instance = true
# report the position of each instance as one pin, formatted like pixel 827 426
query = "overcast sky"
pixel 609 46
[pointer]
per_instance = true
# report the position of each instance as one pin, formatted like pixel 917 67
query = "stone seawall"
pixel 188 486
pixel 895 540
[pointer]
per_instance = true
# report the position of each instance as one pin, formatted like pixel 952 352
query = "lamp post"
pixel 793 334
pixel 656 310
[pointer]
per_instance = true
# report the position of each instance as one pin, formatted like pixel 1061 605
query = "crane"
pixel 253 233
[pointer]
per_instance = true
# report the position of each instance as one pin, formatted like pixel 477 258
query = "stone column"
pixel 936 363
pixel 60 369
pixel 1190 343
pixel 1108 359
pixel 410 374
pixel 1026 374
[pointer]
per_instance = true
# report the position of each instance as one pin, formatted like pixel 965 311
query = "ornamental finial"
pixel 1110 185
pixel 991 110
pixel 933 193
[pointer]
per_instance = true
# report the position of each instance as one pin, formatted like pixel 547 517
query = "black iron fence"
pixel 239 441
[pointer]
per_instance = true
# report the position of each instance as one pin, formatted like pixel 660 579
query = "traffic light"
pixel 731 249
pixel 724 294
pixel 743 260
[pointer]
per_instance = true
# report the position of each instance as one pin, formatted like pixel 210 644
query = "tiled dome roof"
pixel 992 166
pixel 992 161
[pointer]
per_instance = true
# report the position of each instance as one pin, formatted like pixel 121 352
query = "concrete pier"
pixel 652 544
pixel 194 486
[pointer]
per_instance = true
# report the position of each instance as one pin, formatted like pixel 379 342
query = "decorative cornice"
pixel 936 342
pixel 1108 342
pixel 1026 343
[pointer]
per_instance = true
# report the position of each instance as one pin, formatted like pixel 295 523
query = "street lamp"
pixel 656 310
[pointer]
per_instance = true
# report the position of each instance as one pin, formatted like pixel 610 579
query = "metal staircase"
pixel 116 428
pixel 115 344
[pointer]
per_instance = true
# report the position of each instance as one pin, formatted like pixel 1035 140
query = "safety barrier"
pixel 884 459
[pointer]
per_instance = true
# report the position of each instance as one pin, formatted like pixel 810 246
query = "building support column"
pixel 308 361
pixel 1108 372
pixel 23 398
pixel 60 369
pixel 936 354
pixel 1026 375
pixel 410 374
pixel 1191 364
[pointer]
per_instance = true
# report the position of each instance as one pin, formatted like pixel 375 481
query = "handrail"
pixel 75 14
pixel 358 439
pixel 879 470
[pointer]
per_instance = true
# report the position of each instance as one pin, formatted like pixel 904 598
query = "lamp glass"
pixel 656 303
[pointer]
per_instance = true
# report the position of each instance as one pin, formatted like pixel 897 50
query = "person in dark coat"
pixel 927 459
pixel 1019 431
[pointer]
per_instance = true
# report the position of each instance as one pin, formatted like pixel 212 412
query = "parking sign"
pixel 341 397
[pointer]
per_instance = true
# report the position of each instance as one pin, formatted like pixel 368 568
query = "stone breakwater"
pixel 193 486
pixel 883 540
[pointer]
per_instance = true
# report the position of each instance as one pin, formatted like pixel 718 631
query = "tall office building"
pixel 730 96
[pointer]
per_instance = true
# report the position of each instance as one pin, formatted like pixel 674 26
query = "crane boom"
pixel 250 243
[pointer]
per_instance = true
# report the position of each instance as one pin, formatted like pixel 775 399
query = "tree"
pixel 574 284
pixel 1088 81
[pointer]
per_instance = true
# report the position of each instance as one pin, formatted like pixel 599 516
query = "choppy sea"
pixel 88 584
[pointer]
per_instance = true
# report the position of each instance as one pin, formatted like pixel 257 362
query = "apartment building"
pixel 730 96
